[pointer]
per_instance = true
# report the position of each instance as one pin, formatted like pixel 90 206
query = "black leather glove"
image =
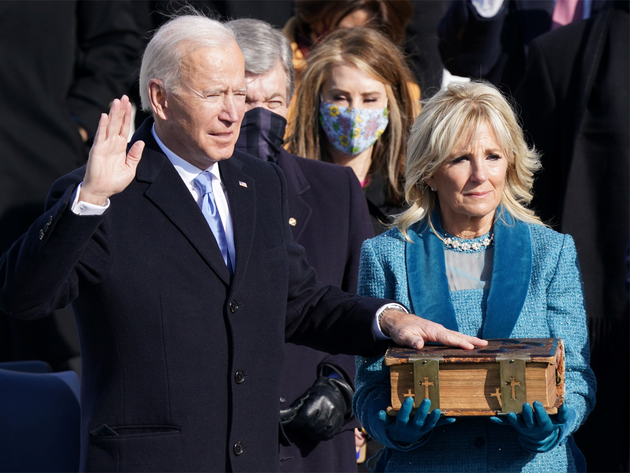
pixel 322 411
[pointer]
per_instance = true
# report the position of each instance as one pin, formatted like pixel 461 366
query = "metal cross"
pixel 426 385
pixel 497 394
pixel 513 385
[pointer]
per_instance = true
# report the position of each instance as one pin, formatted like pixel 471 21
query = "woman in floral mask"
pixel 354 108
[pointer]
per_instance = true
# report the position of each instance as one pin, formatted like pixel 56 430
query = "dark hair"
pixel 390 17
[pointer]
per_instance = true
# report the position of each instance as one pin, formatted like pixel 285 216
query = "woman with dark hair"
pixel 314 19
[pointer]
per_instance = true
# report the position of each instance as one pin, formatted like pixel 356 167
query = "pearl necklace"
pixel 468 246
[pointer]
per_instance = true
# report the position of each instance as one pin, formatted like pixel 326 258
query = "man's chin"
pixel 223 153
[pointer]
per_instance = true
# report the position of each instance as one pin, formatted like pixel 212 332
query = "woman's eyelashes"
pixel 466 157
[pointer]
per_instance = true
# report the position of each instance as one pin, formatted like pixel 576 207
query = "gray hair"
pixel 175 40
pixel 262 46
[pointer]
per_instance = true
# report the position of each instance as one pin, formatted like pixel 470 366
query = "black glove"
pixel 322 411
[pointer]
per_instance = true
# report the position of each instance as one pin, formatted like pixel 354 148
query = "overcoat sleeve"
pixel 372 383
pixel 40 273
pixel 324 317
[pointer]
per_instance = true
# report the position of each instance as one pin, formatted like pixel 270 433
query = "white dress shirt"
pixel 188 173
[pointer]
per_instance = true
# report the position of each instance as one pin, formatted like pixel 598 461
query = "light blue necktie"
pixel 208 206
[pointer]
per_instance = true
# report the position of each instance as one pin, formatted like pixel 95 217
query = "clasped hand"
pixel 406 429
pixel 538 432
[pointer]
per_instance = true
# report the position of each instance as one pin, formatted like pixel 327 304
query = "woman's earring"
pixel 433 188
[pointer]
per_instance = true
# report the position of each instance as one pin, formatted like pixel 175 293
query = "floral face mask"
pixel 352 130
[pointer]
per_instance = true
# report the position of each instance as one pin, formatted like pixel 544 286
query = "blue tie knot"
pixel 203 183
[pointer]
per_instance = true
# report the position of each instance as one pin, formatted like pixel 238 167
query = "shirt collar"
pixel 188 172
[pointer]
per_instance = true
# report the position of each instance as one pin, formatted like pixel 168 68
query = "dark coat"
pixel 494 48
pixel 381 208
pixel 181 362
pixel 64 62
pixel 330 220
pixel 421 45
pixel 576 108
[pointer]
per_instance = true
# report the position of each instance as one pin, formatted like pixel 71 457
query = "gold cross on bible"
pixel 497 394
pixel 426 385
pixel 513 385
pixel 409 394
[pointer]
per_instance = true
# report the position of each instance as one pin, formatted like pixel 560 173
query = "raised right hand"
pixel 110 168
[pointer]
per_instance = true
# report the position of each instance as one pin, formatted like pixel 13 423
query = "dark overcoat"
pixel 181 362
pixel 575 100
pixel 330 219
pixel 64 62
pixel 494 48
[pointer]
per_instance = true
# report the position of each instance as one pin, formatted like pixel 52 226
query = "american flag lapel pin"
pixel 242 184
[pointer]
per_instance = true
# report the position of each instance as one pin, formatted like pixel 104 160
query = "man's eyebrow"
pixel 275 94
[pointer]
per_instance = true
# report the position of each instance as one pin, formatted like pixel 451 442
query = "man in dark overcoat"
pixel 183 293
pixel 328 216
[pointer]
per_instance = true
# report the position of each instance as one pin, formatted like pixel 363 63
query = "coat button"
pixel 41 234
pixel 239 377
pixel 233 307
pixel 480 442
pixel 292 222
pixel 238 448
pixel 50 220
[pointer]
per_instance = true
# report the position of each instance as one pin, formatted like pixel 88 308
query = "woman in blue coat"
pixel 472 256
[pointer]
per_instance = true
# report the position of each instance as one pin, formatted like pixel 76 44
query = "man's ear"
pixel 158 97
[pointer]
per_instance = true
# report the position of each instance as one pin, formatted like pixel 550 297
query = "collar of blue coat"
pixel 511 272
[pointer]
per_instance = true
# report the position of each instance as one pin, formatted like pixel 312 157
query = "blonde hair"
pixel 451 115
pixel 376 56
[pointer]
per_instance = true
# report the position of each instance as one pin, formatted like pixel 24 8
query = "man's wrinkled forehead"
pixel 209 63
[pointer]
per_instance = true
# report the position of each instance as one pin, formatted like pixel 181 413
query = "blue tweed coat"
pixel 535 291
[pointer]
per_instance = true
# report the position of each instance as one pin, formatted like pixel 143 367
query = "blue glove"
pixel 538 432
pixel 404 430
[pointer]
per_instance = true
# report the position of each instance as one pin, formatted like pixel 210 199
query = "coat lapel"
pixel 241 191
pixel 297 185
pixel 511 273
pixel 426 274
pixel 167 192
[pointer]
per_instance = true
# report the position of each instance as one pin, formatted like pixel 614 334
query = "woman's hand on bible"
pixel 538 431
pixel 409 430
